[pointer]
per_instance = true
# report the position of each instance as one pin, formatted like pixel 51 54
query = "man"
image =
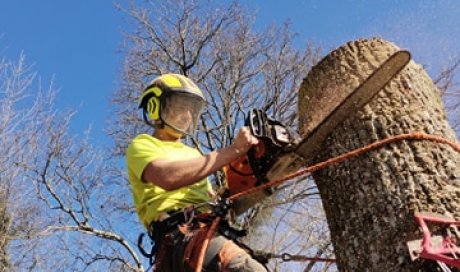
pixel 168 176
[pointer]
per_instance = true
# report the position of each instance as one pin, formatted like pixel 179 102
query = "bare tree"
pixel 448 85
pixel 15 77
pixel 56 188
pixel 216 47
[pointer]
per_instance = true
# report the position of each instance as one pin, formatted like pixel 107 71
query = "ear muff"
pixel 150 102
pixel 153 108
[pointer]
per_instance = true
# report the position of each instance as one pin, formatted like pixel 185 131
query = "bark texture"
pixel 370 200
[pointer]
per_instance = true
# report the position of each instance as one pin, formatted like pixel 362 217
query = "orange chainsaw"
pixel 275 139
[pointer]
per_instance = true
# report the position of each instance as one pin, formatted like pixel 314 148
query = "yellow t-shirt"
pixel 151 200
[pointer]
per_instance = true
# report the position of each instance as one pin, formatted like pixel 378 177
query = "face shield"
pixel 181 111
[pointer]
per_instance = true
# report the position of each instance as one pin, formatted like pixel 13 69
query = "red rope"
pixel 354 153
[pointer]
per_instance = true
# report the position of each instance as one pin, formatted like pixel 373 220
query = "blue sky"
pixel 76 42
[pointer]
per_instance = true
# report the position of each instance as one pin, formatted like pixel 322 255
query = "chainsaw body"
pixel 275 139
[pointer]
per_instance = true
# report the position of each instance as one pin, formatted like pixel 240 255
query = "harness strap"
pixel 158 230
pixel 192 250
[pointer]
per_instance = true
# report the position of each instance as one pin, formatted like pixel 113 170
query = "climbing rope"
pixel 205 244
pixel 354 153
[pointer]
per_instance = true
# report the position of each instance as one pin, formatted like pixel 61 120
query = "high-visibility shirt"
pixel 151 200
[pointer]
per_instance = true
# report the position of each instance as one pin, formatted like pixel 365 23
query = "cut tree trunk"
pixel 370 200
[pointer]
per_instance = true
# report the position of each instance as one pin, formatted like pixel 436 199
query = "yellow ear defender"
pixel 150 101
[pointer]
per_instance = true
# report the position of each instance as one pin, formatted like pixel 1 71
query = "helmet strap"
pixel 171 131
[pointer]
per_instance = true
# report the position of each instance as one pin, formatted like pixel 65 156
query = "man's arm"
pixel 174 174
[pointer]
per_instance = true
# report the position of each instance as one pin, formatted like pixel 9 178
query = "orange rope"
pixel 354 153
pixel 205 245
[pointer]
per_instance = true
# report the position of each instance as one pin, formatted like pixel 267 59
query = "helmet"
pixel 175 101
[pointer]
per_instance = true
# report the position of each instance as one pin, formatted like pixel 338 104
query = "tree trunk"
pixel 370 200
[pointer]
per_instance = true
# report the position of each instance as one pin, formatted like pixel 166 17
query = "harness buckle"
pixel 189 215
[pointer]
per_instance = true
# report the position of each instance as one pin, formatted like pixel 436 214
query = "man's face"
pixel 182 112
pixel 181 115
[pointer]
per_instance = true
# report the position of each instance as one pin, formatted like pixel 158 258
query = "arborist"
pixel 168 177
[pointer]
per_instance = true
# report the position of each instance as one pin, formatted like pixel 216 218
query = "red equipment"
pixel 437 248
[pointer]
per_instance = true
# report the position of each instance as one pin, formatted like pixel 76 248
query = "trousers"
pixel 222 254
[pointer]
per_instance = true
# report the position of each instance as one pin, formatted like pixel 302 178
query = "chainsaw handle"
pixel 255 121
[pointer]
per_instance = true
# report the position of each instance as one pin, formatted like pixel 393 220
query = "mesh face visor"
pixel 181 111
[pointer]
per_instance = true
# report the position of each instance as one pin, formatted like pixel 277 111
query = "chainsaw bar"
pixel 310 145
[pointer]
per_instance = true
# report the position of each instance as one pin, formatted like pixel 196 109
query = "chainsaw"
pixel 275 140
pixel 280 151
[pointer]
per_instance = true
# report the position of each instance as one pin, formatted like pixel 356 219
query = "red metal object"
pixel 445 251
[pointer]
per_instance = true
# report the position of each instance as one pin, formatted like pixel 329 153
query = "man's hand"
pixel 244 141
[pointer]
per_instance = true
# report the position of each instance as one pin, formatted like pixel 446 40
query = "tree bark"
pixel 370 200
